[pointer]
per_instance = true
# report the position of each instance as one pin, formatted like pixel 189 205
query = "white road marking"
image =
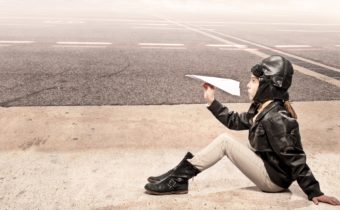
pixel 298 68
pixel 191 22
pixel 64 22
pixel 209 25
pixel 16 42
pixel 84 43
pixel 279 51
pixel 154 28
pixel 309 31
pixel 12 24
pixel 204 22
pixel 238 49
pixel 79 46
pixel 127 20
pixel 226 45
pixel 165 48
pixel 291 46
pixel 53 21
pixel 197 31
pixel 153 24
pixel 338 45
pixel 305 49
pixel 75 22
pixel 47 18
pixel 301 69
pixel 261 23
pixel 159 44
pixel 282 23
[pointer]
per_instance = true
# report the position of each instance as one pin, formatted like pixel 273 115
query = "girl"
pixel 274 157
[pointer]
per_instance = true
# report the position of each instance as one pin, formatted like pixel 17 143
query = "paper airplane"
pixel 227 85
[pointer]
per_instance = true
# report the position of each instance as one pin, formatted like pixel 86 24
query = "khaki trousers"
pixel 241 156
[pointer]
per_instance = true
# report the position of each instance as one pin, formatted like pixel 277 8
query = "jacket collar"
pixel 265 111
pixel 264 105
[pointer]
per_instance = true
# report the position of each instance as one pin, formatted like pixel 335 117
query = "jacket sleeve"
pixel 232 120
pixel 284 138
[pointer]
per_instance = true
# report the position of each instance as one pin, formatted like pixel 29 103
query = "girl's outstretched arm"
pixel 230 119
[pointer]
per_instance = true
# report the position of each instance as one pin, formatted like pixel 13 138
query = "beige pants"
pixel 241 156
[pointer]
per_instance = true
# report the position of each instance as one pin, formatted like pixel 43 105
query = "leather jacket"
pixel 275 137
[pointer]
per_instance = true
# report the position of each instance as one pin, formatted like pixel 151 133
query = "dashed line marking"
pixel 16 42
pixel 63 22
pixel 305 49
pixel 337 83
pixel 78 46
pixel 226 45
pixel 127 20
pixel 231 49
pixel 301 69
pixel 165 48
pixel 84 43
pixel 197 30
pixel 188 22
pixel 154 28
pixel 53 21
pixel 292 46
pixel 12 24
pixel 160 44
pixel 204 22
pixel 210 25
pixel 309 31
pixel 282 23
pixel 153 24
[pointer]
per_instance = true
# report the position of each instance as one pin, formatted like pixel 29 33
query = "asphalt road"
pixel 55 54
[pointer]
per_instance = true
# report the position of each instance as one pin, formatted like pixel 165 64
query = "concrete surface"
pixel 100 157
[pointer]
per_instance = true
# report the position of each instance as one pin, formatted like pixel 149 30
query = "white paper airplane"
pixel 227 85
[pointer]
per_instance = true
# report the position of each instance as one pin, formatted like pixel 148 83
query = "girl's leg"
pixel 241 156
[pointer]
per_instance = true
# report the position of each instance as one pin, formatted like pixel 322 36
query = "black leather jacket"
pixel 275 137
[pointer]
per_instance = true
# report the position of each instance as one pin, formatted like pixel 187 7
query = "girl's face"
pixel 252 86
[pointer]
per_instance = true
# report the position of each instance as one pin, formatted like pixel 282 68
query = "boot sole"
pixel 166 193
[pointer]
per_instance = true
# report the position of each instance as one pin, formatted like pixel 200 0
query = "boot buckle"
pixel 171 183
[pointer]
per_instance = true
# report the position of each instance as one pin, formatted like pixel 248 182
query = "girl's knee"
pixel 225 138
pixel 226 142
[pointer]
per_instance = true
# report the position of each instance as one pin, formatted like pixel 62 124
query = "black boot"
pixel 153 179
pixel 176 182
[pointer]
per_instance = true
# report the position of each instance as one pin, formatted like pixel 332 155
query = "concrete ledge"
pixel 100 157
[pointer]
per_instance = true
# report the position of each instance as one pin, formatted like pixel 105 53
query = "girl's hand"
pixel 326 199
pixel 209 92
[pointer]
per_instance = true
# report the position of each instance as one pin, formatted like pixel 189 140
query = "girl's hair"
pixel 290 109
